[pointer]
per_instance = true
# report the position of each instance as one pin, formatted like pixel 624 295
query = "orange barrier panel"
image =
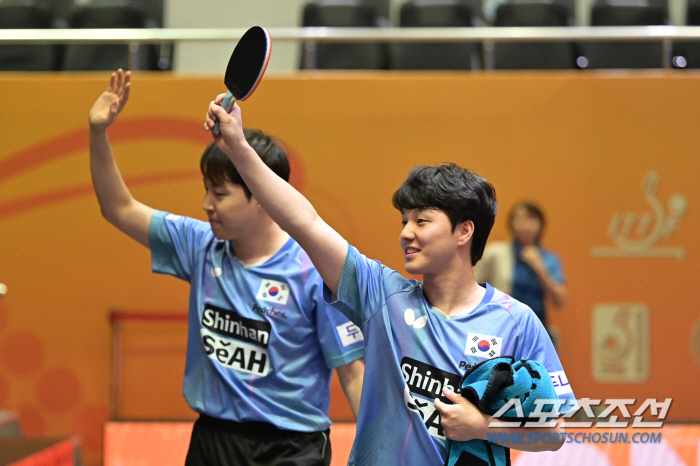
pixel 672 445
pixel 146 443
pixel 159 443
pixel 611 156
pixel 38 452
pixel 148 358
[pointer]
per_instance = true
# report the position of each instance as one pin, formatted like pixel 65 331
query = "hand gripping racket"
pixel 246 67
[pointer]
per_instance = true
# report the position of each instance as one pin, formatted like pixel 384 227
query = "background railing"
pixel 488 36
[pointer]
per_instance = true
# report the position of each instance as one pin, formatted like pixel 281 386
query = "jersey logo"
pixel 234 341
pixel 560 382
pixel 234 354
pixel 424 383
pixel 483 346
pixel 349 333
pixel 232 325
pixel 273 291
pixel 410 317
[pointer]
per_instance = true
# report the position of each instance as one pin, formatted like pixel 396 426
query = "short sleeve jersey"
pixel 416 350
pixel 261 341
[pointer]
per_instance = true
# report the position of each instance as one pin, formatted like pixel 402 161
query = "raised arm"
pixel 116 203
pixel 284 204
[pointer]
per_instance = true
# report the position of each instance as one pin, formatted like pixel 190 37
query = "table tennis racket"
pixel 246 67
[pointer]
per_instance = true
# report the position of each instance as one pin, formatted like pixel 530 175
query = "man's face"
pixel 230 212
pixel 427 241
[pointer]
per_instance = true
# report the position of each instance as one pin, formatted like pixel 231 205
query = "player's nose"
pixel 407 234
pixel 207 203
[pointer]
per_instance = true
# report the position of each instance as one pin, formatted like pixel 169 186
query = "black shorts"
pixel 217 442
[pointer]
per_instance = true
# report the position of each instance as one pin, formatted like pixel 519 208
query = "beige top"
pixel 496 266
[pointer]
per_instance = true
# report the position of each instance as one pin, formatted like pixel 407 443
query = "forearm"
pixel 116 202
pixel 111 192
pixel 551 287
pixel 293 213
pixel 351 377
pixel 289 208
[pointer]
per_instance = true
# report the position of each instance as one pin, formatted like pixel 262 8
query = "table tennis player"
pixel 419 336
pixel 262 343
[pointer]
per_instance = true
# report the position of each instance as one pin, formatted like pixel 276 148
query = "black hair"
pixel 461 194
pixel 532 209
pixel 217 167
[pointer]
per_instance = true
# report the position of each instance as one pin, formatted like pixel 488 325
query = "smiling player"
pixel 419 336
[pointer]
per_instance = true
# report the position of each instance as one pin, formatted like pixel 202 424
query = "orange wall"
pixel 580 144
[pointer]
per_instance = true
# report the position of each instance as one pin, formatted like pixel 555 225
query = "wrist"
pixel 240 150
pixel 98 129
pixel 482 432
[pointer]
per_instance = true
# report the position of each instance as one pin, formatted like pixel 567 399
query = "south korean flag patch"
pixel 273 291
pixel 483 346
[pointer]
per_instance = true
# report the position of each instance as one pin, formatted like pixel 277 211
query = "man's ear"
pixel 465 232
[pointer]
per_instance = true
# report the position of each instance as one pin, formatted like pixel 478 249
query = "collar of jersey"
pixel 487 297
pixel 234 258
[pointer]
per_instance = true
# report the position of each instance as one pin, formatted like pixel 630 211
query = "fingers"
pixel 123 89
pixel 117 80
pixel 124 96
pixel 217 113
pixel 120 76
pixel 127 80
pixel 447 411
pixel 450 395
pixel 127 90
pixel 112 80
pixel 213 115
pixel 440 406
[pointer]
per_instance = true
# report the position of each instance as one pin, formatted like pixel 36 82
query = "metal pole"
pixel 134 62
pixel 489 55
pixel 309 55
pixel 668 54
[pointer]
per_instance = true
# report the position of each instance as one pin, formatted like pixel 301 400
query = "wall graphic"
pixel 636 234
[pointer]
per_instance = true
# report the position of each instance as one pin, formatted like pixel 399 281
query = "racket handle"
pixel 227 105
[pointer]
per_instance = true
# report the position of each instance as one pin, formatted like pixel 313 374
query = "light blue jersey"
pixel 415 350
pixel 261 341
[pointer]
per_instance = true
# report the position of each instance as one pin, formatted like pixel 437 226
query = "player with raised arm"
pixel 419 336
pixel 262 344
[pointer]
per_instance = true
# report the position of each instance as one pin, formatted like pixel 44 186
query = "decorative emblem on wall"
pixel 621 342
pixel 635 234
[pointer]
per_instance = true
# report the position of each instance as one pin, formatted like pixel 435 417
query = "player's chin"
pixel 412 268
pixel 220 232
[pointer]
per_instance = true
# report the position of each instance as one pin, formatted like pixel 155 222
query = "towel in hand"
pixel 489 386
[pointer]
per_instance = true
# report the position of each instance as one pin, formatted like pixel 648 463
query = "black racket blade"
pixel 248 62
pixel 246 67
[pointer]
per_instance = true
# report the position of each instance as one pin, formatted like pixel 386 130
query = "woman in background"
pixel 521 267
